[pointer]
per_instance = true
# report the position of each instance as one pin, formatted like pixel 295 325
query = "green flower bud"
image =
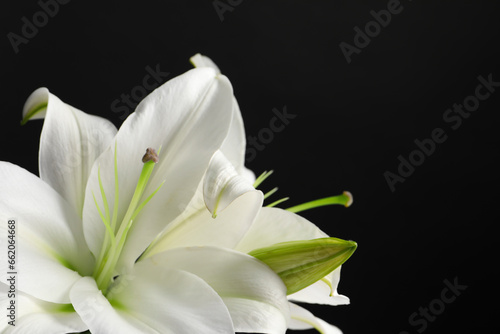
pixel 302 263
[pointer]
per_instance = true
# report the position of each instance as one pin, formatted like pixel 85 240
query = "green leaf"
pixel 302 263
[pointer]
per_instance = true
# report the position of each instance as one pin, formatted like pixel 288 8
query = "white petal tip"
pixel 35 106
pixel 198 60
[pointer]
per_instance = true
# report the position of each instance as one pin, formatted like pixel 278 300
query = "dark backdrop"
pixel 362 101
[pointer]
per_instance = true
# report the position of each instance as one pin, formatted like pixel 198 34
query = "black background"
pixel 353 121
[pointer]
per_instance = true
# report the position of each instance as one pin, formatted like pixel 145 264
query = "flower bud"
pixel 302 263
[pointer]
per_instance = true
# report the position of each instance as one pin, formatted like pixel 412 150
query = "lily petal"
pixel 152 299
pixel 48 232
pixel 222 184
pixel 234 145
pixel 199 60
pixel 254 295
pixel 322 292
pixel 70 142
pixel 200 229
pixel 35 316
pixel 188 118
pixel 303 319
pixel 274 225
pixel 35 106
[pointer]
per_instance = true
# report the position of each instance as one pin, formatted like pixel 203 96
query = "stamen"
pixel 270 192
pixel 262 177
pixel 278 202
pixel 110 254
pixel 344 199
pixel 150 155
pixel 103 255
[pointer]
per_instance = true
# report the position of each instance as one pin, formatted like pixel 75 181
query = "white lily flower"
pixel 274 225
pixel 83 225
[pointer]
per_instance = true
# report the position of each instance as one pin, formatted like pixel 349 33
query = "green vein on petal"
pixel 216 206
pixel 61 260
pixel 39 108
pixel 66 308
pixel 104 220
pixel 307 321
pixel 327 282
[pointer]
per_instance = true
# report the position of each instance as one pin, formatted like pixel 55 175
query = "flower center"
pixel 114 239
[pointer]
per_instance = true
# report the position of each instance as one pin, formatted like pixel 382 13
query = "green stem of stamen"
pixel 139 208
pixel 344 199
pixel 309 322
pixel 107 273
pixel 262 177
pixel 105 245
pixel 109 256
pixel 270 192
pixel 139 190
pixel 278 202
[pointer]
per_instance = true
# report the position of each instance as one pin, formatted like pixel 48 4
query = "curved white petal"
pixel 152 299
pixel 188 117
pixel 200 229
pixel 234 145
pixel 274 225
pixel 253 293
pixel 196 227
pixel 70 142
pixel 49 239
pixel 34 316
pixel 303 319
pixel 323 292
pixel 222 184
pixel 199 60
pixel 35 106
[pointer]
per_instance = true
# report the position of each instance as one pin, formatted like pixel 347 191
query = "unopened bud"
pixel 302 263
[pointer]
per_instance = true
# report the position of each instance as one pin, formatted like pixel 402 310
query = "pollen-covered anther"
pixel 150 155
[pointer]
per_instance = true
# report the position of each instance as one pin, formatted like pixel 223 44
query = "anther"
pixel 150 155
